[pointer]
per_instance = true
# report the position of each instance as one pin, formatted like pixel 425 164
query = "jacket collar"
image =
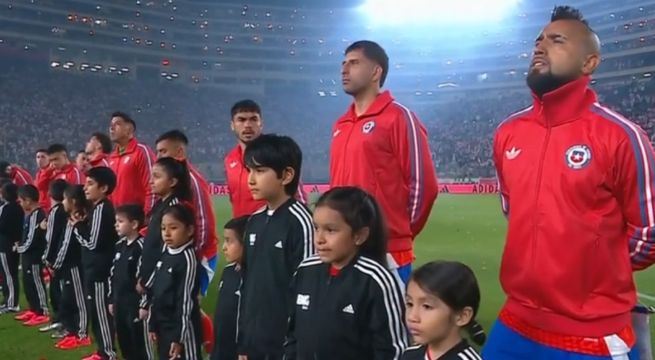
pixel 67 168
pixel 564 104
pixel 129 148
pixel 98 159
pixel 378 105
pixel 178 249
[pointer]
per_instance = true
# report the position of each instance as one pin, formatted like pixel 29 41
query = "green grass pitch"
pixel 467 228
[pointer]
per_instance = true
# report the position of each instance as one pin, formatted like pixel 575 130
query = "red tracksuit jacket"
pixel 42 183
pixel 100 160
pixel 236 175
pixel 577 186
pixel 385 151
pixel 206 238
pixel 133 168
pixel 71 174
pixel 20 176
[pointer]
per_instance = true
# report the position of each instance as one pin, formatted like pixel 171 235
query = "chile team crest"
pixel 578 156
pixel 368 127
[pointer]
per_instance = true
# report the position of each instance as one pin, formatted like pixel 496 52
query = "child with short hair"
pixel 55 226
pixel 227 306
pixel 277 239
pixel 173 289
pixel 31 250
pixel 11 231
pixel 442 299
pixel 68 268
pixel 124 300
pixel 97 254
pixel 347 305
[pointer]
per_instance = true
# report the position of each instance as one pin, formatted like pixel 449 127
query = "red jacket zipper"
pixel 539 176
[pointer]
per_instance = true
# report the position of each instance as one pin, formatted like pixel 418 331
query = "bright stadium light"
pixel 437 12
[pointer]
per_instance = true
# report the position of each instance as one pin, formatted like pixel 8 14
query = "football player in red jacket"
pixel 247 125
pixel 381 146
pixel 576 183
pixel 98 149
pixel 41 180
pixel 132 163
pixel 173 144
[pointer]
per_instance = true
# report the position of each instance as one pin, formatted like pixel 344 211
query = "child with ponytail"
pixel 345 302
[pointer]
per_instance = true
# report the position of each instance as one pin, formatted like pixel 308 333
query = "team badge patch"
pixel 368 127
pixel 578 156
pixel 303 301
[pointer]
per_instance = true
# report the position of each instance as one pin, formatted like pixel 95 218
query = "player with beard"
pixel 381 146
pixel 42 177
pixel 247 124
pixel 577 178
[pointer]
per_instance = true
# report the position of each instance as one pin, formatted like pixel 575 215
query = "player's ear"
pixel 288 174
pixel 591 63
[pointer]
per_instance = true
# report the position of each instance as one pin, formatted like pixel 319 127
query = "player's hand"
pixel 152 336
pixel 110 307
pixel 143 314
pixel 175 352
pixel 43 225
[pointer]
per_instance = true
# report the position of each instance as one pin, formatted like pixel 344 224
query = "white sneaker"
pixel 50 327
pixel 7 310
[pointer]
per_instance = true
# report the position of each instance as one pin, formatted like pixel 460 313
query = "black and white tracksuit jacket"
pixel 275 242
pixel 355 313
pixel 98 244
pixel 57 219
pixel 172 298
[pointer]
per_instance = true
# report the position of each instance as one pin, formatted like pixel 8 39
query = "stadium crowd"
pixel 460 136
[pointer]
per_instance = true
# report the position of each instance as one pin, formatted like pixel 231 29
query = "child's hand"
pixel 152 336
pixel 77 217
pixel 175 352
pixel 143 314
pixel 111 309
pixel 139 289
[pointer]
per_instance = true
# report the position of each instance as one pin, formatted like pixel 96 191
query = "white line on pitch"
pixel 647 297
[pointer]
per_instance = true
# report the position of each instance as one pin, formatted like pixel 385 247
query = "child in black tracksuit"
pixel 98 247
pixel 55 226
pixel 171 183
pixel 346 304
pixel 11 232
pixel 451 293
pixel 172 290
pixel 225 316
pixel 124 300
pixel 68 268
pixel 31 249
pixel 277 239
